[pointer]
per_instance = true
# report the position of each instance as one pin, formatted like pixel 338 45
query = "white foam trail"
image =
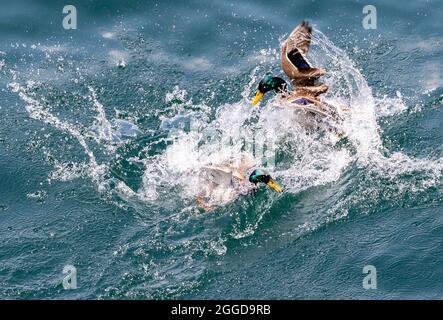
pixel 347 82
pixel 390 106
pixel 38 112
pixel 103 127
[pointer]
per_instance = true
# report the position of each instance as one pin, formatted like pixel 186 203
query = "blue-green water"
pixel 122 210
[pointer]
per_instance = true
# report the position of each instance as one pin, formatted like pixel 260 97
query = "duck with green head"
pixel 262 176
pixel 227 181
pixel 297 68
pixel 270 83
pixel 300 95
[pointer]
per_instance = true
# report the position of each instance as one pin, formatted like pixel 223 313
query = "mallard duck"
pixel 304 78
pixel 297 67
pixel 224 182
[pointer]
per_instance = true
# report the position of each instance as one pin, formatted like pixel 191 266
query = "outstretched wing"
pixel 300 38
pixel 294 61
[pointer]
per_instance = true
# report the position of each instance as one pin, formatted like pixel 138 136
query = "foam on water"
pixel 37 111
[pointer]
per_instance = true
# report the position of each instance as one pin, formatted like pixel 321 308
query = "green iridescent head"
pixel 260 175
pixel 269 83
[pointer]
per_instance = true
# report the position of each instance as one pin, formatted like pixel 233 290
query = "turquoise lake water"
pixel 103 127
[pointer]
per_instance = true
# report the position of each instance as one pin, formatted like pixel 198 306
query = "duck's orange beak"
pixel 274 186
pixel 258 96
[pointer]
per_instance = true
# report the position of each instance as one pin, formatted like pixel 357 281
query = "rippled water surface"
pixel 103 128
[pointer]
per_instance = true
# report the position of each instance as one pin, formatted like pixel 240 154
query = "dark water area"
pixel 97 152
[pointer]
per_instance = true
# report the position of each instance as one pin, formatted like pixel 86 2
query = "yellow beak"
pixel 258 96
pixel 274 186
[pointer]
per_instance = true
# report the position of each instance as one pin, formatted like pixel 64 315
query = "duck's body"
pixel 302 100
pixel 315 114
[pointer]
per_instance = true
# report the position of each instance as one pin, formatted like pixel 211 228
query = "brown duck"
pixel 304 77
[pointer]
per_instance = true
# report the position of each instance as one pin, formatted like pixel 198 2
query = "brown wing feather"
pixel 299 41
pixel 300 38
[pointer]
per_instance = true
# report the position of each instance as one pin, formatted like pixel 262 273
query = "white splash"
pixel 169 176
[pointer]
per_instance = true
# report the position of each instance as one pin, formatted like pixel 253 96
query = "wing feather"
pixel 293 58
pixel 300 38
